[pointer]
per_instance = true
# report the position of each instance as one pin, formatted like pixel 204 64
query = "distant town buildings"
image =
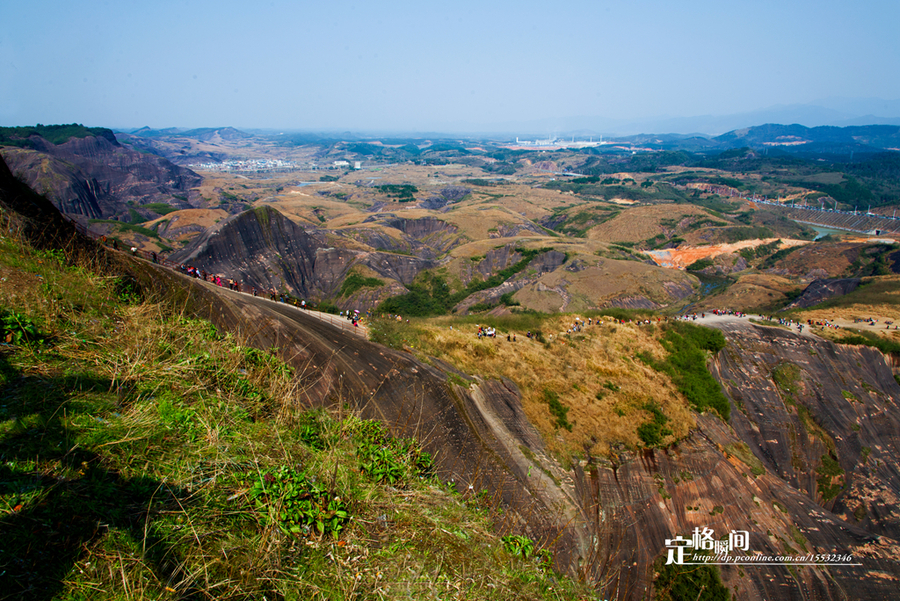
pixel 248 166
pixel 553 143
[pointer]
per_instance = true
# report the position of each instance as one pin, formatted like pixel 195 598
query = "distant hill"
pixel 55 134
pixel 792 139
pixel 85 171
pixel 202 133
pixel 825 139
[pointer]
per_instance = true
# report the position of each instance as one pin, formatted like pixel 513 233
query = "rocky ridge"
pixel 608 518
pixel 97 178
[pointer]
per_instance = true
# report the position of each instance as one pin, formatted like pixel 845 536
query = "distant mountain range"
pixel 839 112
pixel 791 139
pixel 771 138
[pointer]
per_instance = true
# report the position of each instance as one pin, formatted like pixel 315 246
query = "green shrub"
pixel 19 329
pixel 298 504
pixel 676 582
pixel 161 208
pixel 686 345
pixel 652 433
pixel 385 459
pixel 507 299
pixel 700 264
pixel 827 471
pixel 356 281
pixel 558 410
pixel 401 192
pixel 871 339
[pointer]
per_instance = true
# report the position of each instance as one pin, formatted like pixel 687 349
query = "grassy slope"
pixel 595 373
pixel 131 440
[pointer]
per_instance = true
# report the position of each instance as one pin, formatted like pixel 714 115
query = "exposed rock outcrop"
pixel 822 417
pixel 822 290
pixel 266 250
pixel 499 259
pixel 96 177
pixel 262 248
pixel 508 230
pixel 427 237
pixel 445 196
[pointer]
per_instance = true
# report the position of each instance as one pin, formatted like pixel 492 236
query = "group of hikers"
pixel 352 316
pixel 872 321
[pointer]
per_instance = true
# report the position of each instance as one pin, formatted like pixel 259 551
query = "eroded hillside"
pixel 606 511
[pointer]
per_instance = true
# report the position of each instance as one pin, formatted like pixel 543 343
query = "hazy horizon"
pixel 501 67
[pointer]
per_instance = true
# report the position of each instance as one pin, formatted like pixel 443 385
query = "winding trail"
pixel 730 323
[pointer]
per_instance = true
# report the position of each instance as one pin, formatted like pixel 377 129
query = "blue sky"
pixel 420 66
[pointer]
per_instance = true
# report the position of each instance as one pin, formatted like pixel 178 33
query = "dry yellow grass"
pixel 188 217
pixel 642 223
pixel 887 319
pixel 599 360
pixel 307 209
pixel 751 291
pixel 604 279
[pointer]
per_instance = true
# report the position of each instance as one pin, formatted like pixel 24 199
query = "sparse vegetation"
pixel 687 345
pixel 206 478
pixel 558 410
pixel 830 478
pixel 356 281
pixel 160 208
pixel 675 582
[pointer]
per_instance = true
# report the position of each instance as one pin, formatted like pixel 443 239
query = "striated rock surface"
pixel 264 249
pixel 822 417
pixel 96 177
pixel 608 519
pixel 822 290
pixel 427 237
pixel 500 258
pixel 261 248
pixel 762 474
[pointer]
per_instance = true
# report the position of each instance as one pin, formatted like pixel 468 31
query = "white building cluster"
pixel 248 166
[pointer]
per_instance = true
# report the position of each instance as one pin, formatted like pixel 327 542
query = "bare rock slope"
pixel 608 519
pixel 97 178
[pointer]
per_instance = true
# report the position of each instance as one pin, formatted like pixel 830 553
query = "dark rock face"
pixel 709 479
pixel 264 249
pixel 804 403
pixel 632 302
pixel 402 268
pixel 822 290
pixel 41 223
pixel 427 237
pixel 445 196
pixel 508 230
pixel 541 264
pixel 547 262
pixel 96 177
pixel 496 259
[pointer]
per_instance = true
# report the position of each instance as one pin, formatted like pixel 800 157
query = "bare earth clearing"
pixel 683 256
